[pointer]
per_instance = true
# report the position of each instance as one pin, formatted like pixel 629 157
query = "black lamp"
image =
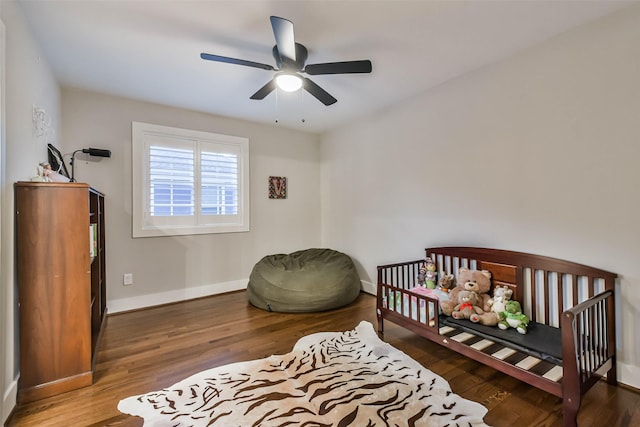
pixel 96 152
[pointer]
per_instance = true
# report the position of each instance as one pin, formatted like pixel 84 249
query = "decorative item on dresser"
pixel 60 242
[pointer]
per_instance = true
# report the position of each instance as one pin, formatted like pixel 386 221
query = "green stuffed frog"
pixel 512 317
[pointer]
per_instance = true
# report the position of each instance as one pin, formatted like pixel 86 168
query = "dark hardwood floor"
pixel 150 349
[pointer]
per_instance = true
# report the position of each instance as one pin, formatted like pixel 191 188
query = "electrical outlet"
pixel 128 279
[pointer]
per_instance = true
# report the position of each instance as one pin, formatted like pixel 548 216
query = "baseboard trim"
pixel 629 375
pixel 369 287
pixel 9 399
pixel 160 298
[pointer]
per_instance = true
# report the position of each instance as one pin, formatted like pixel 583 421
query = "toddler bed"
pixel 570 342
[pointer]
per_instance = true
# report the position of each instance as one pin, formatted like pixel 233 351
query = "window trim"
pixel 140 132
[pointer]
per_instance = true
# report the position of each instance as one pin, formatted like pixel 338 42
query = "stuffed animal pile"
pixel 470 299
pixel 469 280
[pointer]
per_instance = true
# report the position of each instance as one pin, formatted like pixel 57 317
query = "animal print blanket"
pixel 329 379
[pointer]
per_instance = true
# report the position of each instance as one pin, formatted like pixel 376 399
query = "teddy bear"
pixel 446 282
pixel 467 307
pixel 469 280
pixel 501 294
pixel 513 317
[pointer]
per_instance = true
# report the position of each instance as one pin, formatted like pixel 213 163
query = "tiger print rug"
pixel 329 379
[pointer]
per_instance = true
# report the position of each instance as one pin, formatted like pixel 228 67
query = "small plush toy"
pixel 467 308
pixel 513 317
pixel 446 282
pixel 422 275
pixel 431 274
pixel 501 294
pixel 469 280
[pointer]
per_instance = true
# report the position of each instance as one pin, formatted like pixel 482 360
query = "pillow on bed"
pixel 304 281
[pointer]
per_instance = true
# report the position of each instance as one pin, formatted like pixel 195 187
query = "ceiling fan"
pixel 290 60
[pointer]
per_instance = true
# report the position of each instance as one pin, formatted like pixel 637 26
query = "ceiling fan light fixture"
pixel 289 82
pixel 291 62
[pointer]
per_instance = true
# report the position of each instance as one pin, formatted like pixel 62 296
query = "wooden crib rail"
pixel 402 275
pixel 420 311
pixel 593 348
pixel 588 351
pixel 537 262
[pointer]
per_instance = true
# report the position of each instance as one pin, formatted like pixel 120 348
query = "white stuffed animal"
pixel 501 294
pixel 497 304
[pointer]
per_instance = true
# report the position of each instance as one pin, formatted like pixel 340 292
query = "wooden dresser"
pixel 60 247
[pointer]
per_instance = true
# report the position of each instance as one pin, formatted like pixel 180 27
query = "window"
pixel 188 182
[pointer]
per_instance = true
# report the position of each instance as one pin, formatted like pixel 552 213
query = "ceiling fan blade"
pixel 228 60
pixel 283 32
pixel 265 90
pixel 320 94
pixel 347 67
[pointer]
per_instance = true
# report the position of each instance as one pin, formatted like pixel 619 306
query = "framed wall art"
pixel 277 187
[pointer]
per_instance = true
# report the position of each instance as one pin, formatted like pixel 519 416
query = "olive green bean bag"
pixel 304 281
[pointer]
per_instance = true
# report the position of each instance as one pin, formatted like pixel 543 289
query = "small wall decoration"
pixel 277 187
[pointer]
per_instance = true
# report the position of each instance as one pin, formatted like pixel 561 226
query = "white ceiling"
pixel 150 49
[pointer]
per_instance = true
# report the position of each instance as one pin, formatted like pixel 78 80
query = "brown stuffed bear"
pixel 469 280
pixel 467 308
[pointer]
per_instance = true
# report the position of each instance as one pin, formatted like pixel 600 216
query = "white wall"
pixel 3 294
pixel 169 269
pixel 538 153
pixel 29 81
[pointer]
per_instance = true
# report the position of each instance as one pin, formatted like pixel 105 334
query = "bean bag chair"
pixel 304 281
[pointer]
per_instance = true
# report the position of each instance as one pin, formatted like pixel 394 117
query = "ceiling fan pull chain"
pixel 277 106
pixel 302 102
